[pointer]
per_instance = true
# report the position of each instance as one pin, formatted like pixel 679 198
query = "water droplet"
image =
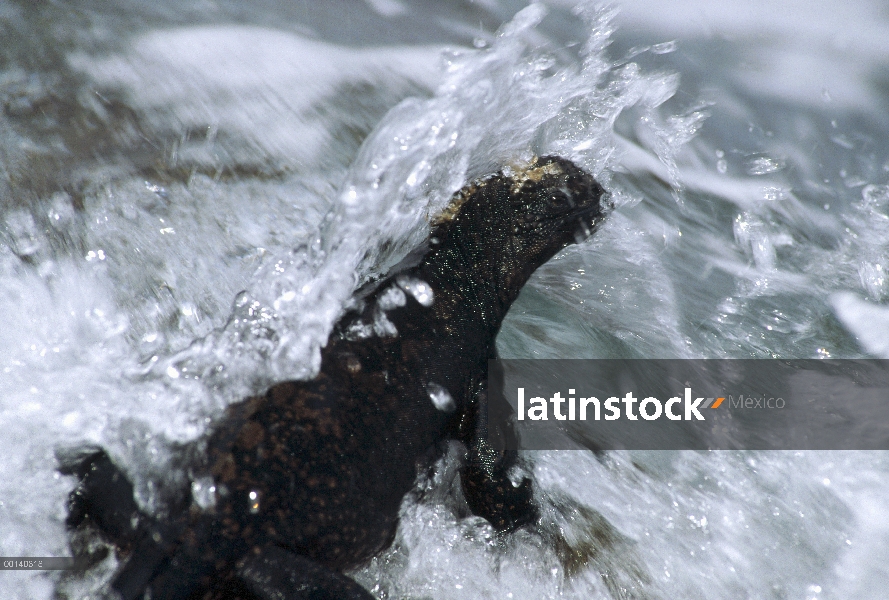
pixel 873 279
pixel 288 296
pixel 358 330
pixel 441 398
pixel 543 63
pixel 382 326
pixel 393 297
pixel 875 195
pixel 71 419
pixel 203 491
pixel 160 191
pixel 843 141
pixel 762 165
pixel 665 48
pixel 419 173
pixel 772 193
pixel 420 290
pixel 26 239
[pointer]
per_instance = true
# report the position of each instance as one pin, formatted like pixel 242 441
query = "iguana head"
pixel 503 227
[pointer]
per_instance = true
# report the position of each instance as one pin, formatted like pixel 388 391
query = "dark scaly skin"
pixel 314 472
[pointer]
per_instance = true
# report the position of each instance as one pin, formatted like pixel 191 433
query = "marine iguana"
pixel 309 477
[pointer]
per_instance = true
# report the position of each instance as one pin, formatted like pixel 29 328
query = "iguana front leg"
pixel 486 430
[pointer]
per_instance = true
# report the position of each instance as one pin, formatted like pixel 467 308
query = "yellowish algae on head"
pixel 520 173
pixel 532 172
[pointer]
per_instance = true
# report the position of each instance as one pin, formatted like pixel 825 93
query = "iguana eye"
pixel 559 200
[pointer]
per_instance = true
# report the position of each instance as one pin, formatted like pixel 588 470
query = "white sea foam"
pixel 260 84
